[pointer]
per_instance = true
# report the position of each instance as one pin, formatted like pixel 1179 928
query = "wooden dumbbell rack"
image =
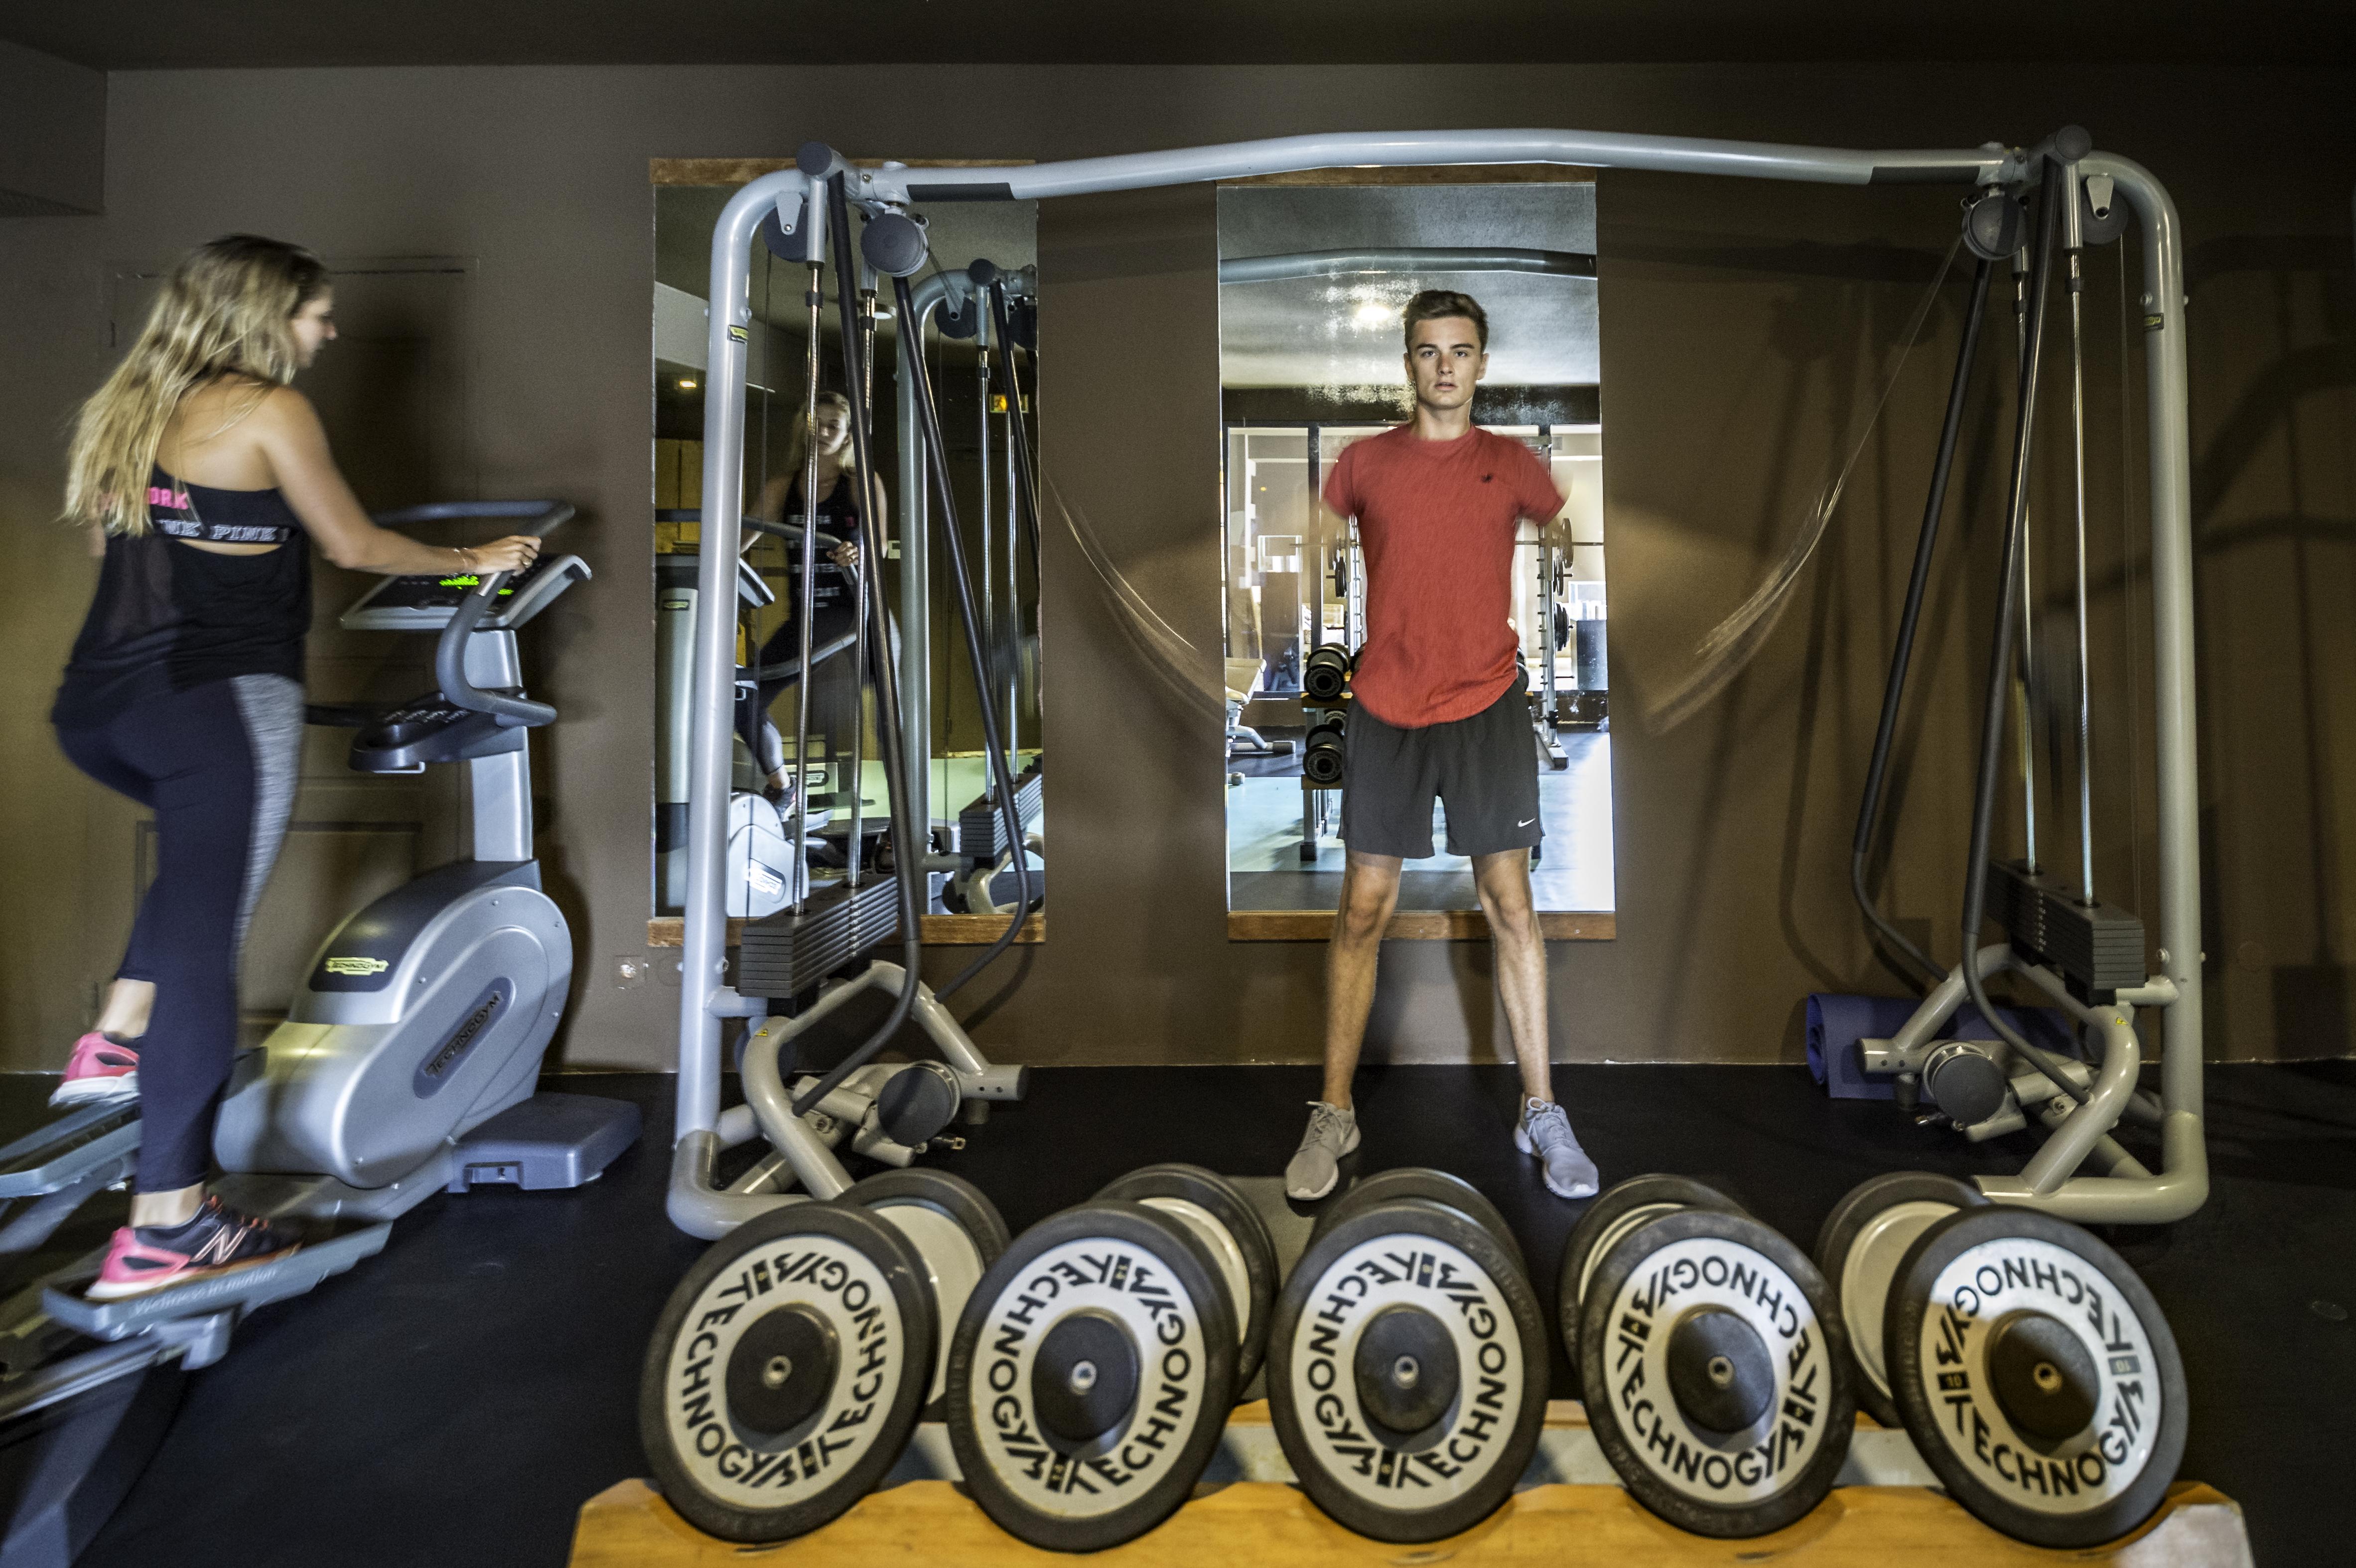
pixel 1270 1523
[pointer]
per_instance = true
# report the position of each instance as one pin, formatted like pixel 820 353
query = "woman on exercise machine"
pixel 199 473
pixel 824 445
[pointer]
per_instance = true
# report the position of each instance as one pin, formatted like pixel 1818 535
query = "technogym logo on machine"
pixel 439 1068
pixel 356 965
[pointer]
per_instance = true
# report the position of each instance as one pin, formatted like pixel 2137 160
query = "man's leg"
pixel 1504 882
pixel 1370 886
pixel 1492 796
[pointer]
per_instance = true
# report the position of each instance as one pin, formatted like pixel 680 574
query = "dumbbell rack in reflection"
pixel 1568 1512
pixel 1320 810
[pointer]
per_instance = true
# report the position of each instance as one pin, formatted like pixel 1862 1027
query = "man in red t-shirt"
pixel 1439 709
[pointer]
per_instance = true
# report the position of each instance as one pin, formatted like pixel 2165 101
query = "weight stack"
pixel 982 832
pixel 787 953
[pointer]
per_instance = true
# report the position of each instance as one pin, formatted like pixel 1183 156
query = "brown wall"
pixel 1743 324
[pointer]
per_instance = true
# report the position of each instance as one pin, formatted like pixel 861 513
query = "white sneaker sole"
pixel 95 1091
pixel 1350 1148
pixel 1522 1142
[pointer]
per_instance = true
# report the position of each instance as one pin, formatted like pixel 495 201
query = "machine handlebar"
pixel 450 647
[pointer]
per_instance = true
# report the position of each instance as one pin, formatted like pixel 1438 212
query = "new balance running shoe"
pixel 218 1241
pixel 100 1070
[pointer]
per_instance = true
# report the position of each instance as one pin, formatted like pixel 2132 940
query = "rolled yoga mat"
pixel 1837 1023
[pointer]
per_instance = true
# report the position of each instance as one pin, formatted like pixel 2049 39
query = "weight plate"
pixel 1620 1209
pixel 957 1233
pixel 2037 1376
pixel 1722 1394
pixel 1434 1186
pixel 1230 1229
pixel 1407 1371
pixel 1858 1250
pixel 1090 1377
pixel 787 1371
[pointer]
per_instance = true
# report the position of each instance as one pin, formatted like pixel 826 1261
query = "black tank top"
pixel 837 515
pixel 168 617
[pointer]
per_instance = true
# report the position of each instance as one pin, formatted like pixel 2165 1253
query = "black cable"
pixel 2049 205
pixel 1869 810
pixel 1002 345
pixel 909 846
pixel 1001 773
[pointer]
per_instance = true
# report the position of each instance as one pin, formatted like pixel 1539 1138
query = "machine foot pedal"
pixel 241 1291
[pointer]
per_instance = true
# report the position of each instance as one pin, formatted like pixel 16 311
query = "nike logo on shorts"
pixel 1525 823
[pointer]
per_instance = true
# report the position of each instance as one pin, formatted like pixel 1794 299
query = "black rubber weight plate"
pixel 1408 1269
pixel 1772 1317
pixel 1433 1186
pixel 956 1231
pixel 1106 1274
pixel 1883 1214
pixel 1998 1268
pixel 808 1281
pixel 953 1195
pixel 1612 1215
pixel 1237 1237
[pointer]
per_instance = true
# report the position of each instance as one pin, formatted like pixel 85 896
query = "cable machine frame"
pixel 2051 1183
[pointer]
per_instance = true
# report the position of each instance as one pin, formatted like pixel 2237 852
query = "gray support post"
pixel 915 560
pixel 1550 707
pixel 2171 441
pixel 704 949
pixel 1013 576
pixel 1314 533
pixel 981 513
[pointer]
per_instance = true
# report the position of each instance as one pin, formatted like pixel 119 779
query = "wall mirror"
pixel 1313 273
pixel 846 808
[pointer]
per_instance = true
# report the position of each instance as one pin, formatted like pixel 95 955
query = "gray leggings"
pixel 217 764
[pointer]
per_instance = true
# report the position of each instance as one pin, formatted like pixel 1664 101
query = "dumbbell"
pixel 1712 1357
pixel 1858 1249
pixel 1231 1231
pixel 956 1232
pixel 1320 757
pixel 1407 1359
pixel 2031 1367
pixel 1090 1376
pixel 787 1370
pixel 1325 673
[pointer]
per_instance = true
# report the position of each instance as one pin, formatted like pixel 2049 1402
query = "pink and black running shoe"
pixel 100 1070
pixel 218 1241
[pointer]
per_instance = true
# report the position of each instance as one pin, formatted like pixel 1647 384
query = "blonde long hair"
pixel 798 438
pixel 228 308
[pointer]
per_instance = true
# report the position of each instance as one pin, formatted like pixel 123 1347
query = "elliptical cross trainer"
pixel 406 1066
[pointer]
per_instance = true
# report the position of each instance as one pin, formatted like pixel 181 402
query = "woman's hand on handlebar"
pixel 513 553
pixel 846 555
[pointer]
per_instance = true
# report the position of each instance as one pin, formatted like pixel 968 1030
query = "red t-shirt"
pixel 1436 522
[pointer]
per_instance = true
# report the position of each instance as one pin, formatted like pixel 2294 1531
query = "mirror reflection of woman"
pixel 825 444
pixel 204 478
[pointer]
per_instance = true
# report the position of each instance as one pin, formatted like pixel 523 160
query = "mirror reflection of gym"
pixel 1313 278
pixel 974 870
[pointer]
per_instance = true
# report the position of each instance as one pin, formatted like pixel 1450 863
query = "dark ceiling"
pixel 131 35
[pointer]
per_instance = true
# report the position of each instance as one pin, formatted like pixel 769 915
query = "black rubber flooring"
pixel 454 1400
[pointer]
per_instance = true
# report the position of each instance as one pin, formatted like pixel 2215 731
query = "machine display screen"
pixel 444 592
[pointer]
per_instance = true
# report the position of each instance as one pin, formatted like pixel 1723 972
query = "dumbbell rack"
pixel 1263 1520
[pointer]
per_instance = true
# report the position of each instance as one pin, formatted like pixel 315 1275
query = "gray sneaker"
pixel 1545 1131
pixel 1332 1133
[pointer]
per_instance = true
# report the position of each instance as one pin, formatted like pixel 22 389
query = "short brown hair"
pixel 1440 304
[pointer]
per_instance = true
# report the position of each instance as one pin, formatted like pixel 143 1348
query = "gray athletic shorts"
pixel 1484 770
